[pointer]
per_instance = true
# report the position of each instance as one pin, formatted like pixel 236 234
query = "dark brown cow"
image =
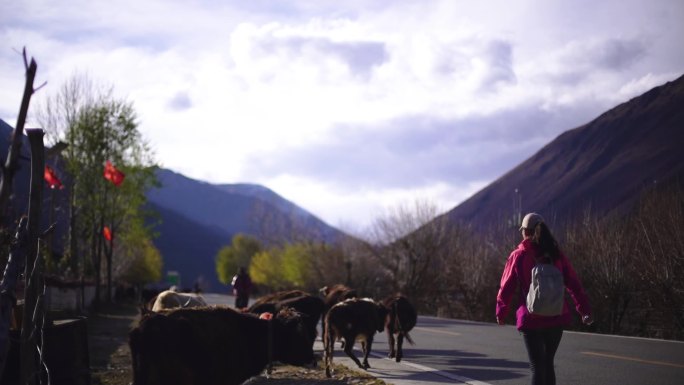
pixel 400 320
pixel 267 302
pixel 351 320
pixel 311 308
pixel 213 346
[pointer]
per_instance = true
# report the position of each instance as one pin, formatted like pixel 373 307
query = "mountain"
pixel 198 218
pixel 266 195
pixel 188 247
pixel 238 208
pixel 602 166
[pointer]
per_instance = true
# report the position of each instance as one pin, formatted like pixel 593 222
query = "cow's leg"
pixel 400 344
pixel 348 345
pixel 367 345
pixel 328 347
pixel 390 341
pixel 140 367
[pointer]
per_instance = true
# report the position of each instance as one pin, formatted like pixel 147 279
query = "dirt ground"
pixel 110 360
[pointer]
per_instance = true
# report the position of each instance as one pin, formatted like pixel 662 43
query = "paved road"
pixel 453 351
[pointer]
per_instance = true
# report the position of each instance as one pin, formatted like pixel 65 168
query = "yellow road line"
pixel 633 359
pixel 437 331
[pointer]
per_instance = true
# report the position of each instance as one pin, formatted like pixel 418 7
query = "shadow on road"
pixel 469 364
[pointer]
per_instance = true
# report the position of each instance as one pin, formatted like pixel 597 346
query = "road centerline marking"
pixel 634 359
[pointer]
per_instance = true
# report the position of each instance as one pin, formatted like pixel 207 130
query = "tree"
pixel 658 228
pixel 297 265
pixel 140 261
pixel 266 270
pixel 471 272
pixel 99 128
pixel 409 245
pixel 286 267
pixel 238 254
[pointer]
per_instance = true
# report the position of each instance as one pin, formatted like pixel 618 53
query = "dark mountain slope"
pixel 602 166
pixel 267 195
pixel 202 202
pixel 189 248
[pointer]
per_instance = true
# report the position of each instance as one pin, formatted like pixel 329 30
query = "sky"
pixel 348 108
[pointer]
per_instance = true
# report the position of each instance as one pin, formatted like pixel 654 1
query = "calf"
pixel 351 320
pixel 170 299
pixel 401 318
pixel 213 346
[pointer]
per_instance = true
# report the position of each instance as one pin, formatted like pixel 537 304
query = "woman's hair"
pixel 541 236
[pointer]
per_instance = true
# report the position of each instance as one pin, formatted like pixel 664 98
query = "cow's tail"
pixel 408 338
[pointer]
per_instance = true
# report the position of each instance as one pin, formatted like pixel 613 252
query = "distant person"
pixel 242 285
pixel 541 333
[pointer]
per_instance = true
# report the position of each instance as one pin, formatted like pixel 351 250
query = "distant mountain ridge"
pixel 266 195
pixel 602 166
pixel 237 208
pixel 211 214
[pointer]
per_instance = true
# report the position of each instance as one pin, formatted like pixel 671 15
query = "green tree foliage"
pixel 286 267
pixel 140 261
pixel 145 265
pixel 238 254
pixel 266 270
pixel 296 265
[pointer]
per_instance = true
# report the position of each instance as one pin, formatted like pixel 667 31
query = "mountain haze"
pixel 601 166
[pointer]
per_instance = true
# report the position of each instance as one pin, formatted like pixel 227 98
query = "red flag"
pixel 112 174
pixel 51 178
pixel 107 233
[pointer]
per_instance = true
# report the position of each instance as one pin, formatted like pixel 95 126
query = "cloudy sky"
pixel 348 108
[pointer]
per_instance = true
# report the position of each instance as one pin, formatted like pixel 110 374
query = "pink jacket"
pixel 518 274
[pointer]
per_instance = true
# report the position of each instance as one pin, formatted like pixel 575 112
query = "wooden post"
pixel 30 333
pixel 10 166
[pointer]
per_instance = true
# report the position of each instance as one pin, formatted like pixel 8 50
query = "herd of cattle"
pixel 182 340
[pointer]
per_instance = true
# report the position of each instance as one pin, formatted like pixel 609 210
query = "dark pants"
pixel 241 300
pixel 541 347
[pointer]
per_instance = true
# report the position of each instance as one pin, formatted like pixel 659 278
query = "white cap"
pixel 531 220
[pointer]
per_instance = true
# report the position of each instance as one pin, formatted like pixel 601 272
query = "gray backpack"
pixel 547 290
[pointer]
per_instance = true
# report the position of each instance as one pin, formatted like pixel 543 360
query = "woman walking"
pixel 541 333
